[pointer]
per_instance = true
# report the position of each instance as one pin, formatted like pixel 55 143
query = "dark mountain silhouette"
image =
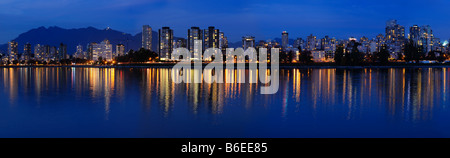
pixel 234 44
pixel 53 36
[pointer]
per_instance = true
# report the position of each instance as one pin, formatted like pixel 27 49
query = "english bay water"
pixel 143 102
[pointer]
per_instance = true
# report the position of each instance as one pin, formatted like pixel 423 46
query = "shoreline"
pixel 281 66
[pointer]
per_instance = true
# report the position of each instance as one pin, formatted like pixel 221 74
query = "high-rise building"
pixel 26 52
pixel 284 40
pixel 437 46
pixel 165 43
pixel 311 43
pixel 325 43
pixel 38 52
pixel 380 41
pixel 46 53
pixel 414 35
pixel 96 51
pixel 395 38
pixel 12 50
pixel 62 51
pixel 210 38
pixel 101 50
pixel 223 42
pixel 394 31
pixel 79 49
pixel 426 38
pixel 90 52
pixel 248 41
pixel 105 50
pixel 299 43
pixel 147 37
pixel 53 53
pixel 193 34
pixel 79 53
pixel 120 50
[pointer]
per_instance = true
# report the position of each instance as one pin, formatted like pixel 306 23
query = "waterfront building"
pixel 165 43
pixel 248 41
pixel 62 52
pixel 194 33
pixel 38 52
pixel 284 39
pixel 311 43
pixel 210 38
pixel 12 50
pixel 147 37
pixel 426 38
pixel 120 50
pixel 26 52
pixel 414 35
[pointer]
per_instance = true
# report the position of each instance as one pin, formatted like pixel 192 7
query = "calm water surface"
pixel 143 102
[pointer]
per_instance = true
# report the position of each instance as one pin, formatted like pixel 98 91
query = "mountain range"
pixel 54 36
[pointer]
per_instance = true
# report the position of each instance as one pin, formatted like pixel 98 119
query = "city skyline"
pixel 264 20
pixel 406 32
pixel 293 35
pixel 394 41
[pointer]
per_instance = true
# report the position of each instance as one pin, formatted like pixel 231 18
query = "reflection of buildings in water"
pixel 102 85
pixel 252 87
pixel 166 90
pixel 411 94
pixel 285 91
pixel 296 84
pixel 445 73
pixel 156 82
pixel 146 87
pixel 10 83
pixel 323 86
pixel 213 96
pixel 38 83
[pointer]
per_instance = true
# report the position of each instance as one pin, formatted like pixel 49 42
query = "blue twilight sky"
pixel 259 18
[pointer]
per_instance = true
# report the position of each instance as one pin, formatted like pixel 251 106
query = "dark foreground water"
pixel 141 102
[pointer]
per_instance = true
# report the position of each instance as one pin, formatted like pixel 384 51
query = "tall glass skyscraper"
pixel 211 38
pixel 147 37
pixel 165 46
pixel 414 35
pixel 195 33
pixel 284 39
pixel 426 38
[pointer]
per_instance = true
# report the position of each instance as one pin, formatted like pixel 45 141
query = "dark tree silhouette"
pixel 142 55
pixel 441 58
pixel 412 52
pixel 432 55
pixel 355 57
pixel 305 57
pixel 290 56
pixel 383 55
pixel 339 55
